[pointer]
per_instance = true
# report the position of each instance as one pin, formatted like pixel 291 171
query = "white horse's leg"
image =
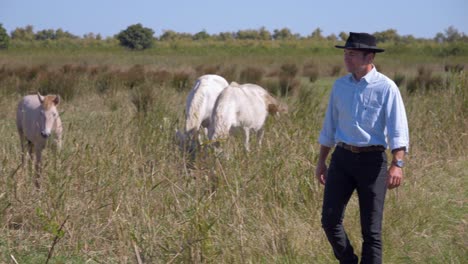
pixel 38 167
pixel 260 134
pixel 23 141
pixel 247 138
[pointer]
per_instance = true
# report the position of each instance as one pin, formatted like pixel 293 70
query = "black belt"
pixel 356 149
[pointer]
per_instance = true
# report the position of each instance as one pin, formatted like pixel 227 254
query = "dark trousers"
pixel 367 173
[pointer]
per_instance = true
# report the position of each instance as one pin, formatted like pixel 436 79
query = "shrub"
pixel 251 75
pixel 272 86
pixel 287 80
pixel 29 74
pixel 105 82
pixel 135 76
pixel 273 73
pixel 399 79
pixel 454 68
pixel 310 71
pixel 335 70
pixel 289 70
pixel 181 80
pixel 74 69
pixel 424 81
pixel 229 73
pixel 452 50
pixel 160 77
pixel 136 37
pixel 97 70
pixel 55 82
pixel 207 69
pixel 287 85
pixel 143 97
pixel 4 38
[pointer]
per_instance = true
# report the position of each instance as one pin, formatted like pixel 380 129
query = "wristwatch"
pixel 399 163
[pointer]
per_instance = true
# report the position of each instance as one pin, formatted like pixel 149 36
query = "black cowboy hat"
pixel 361 41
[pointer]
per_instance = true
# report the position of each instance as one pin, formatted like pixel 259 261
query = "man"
pixel 365 115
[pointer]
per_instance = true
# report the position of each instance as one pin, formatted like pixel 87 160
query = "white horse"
pixel 242 106
pixel 36 119
pixel 198 109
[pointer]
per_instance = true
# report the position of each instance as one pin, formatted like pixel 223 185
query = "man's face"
pixel 356 60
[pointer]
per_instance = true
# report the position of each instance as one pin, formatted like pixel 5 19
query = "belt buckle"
pixel 354 149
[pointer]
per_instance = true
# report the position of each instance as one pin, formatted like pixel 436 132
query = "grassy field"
pixel 120 189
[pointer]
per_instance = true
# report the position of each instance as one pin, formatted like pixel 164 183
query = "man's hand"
pixel 395 177
pixel 395 173
pixel 321 172
pixel 321 169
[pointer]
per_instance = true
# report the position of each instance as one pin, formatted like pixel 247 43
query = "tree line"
pixel 139 37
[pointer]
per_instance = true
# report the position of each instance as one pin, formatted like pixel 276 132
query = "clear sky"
pixel 420 18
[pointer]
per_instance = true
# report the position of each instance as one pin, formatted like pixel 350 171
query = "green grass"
pixel 121 183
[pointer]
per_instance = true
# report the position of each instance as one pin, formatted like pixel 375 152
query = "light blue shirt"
pixel 365 112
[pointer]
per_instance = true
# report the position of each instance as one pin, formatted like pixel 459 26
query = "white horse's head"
pixel 187 141
pixel 49 113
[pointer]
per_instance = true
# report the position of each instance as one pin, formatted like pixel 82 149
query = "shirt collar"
pixel 369 77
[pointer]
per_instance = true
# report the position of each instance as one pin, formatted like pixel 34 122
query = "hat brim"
pixel 376 50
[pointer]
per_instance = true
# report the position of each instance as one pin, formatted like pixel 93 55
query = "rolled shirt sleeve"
pixel 397 123
pixel 327 134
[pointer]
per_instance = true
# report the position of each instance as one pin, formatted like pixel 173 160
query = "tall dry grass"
pixel 120 189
